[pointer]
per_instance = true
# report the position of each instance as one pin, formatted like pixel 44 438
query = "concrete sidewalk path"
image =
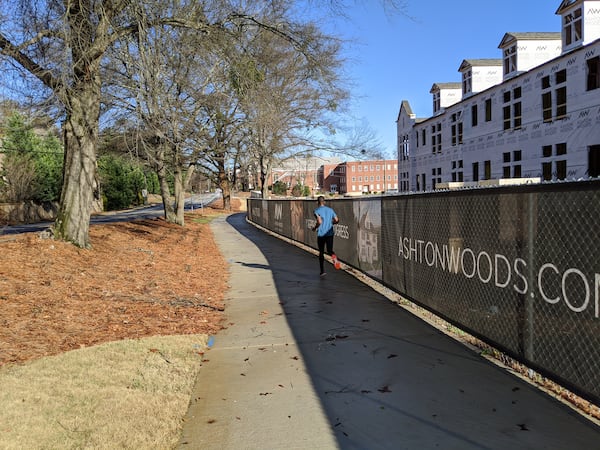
pixel 312 363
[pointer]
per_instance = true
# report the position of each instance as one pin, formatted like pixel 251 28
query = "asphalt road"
pixel 197 201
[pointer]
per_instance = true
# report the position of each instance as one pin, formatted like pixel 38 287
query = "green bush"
pixel 33 166
pixel 279 188
pixel 121 182
pixel 300 191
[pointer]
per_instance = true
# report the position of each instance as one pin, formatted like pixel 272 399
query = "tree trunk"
pixel 179 198
pixel 225 189
pixel 263 177
pixel 165 192
pixel 80 167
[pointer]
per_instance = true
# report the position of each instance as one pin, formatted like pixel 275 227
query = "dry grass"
pixel 125 394
pixel 100 348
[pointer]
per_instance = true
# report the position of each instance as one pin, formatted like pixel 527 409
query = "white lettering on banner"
pixel 552 301
pixel 525 288
pixel 341 231
pixel 505 260
pixel 489 264
pixel 464 261
pixel 278 211
pixel 587 290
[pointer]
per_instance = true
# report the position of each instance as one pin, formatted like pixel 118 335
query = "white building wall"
pixel 591 17
pixel 486 77
pixel 532 53
pixel 449 97
pixel 488 141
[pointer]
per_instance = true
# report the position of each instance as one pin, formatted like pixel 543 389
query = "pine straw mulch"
pixel 140 279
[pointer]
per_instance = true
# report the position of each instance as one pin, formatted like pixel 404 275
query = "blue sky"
pixel 399 58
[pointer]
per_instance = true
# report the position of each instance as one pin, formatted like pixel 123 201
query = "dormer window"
pixel 510 59
pixel 573 27
pixel 467 82
pixel 436 101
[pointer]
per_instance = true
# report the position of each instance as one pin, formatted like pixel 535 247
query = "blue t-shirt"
pixel 326 214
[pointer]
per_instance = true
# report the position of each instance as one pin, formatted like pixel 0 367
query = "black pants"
pixel 323 241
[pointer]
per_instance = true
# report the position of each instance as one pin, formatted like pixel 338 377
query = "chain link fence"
pixel 518 267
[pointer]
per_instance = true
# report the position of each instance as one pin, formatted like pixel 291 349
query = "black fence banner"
pixel 518 267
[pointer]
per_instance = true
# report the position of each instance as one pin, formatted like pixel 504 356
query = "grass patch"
pixel 203 219
pixel 124 394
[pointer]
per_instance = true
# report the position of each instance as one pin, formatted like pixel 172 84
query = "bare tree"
pixel 63 45
pixel 284 96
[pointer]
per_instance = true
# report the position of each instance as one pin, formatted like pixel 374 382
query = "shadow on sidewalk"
pixel 386 379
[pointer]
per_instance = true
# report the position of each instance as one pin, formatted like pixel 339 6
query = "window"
pixel 436 101
pixel 561 170
pixel 517 171
pixel 474 115
pixel 512 113
pixel 546 82
pixel 511 168
pixel 517 93
pixel 456 129
pixel 561 102
pixel 547 171
pixel 546 151
pixel 560 96
pixel 572 27
pixel 547 106
pixel 510 59
pixel 467 78
pixel 423 136
pixel 506 111
pixel 487 170
pixel 457 172
pixel 593 73
pixel 488 110
pixel 551 160
pixel 475 171
pixel 436 175
pixel 594 161
pixel 436 138
pixel 517 115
